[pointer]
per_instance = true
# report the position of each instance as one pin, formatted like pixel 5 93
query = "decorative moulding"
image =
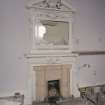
pixel 53 11
pixel 58 5
pixel 50 53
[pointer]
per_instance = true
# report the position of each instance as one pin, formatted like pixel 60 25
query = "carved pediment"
pixel 57 5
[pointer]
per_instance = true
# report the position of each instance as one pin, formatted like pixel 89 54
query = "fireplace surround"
pixel 48 73
pixel 44 67
pixel 51 57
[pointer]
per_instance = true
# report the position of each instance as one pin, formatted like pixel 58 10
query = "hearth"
pixel 44 70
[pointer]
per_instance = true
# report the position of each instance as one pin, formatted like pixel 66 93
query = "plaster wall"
pixel 89 24
pixel 90 70
pixel 15 41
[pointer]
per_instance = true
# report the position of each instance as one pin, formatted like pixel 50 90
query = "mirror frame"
pixel 43 13
pixel 49 46
pixel 51 10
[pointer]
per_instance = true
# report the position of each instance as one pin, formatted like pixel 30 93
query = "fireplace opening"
pixel 53 91
pixel 53 88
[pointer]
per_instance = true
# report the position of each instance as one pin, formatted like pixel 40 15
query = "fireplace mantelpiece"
pixel 50 50
pixel 43 60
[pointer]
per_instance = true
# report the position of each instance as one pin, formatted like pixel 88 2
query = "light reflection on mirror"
pixel 53 32
pixel 42 31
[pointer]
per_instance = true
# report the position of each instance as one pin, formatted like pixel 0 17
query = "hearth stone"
pixel 67 101
pixel 53 99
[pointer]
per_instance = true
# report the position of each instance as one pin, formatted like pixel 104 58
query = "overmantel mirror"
pixel 51 24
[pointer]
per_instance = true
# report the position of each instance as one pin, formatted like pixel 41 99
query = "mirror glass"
pixel 52 32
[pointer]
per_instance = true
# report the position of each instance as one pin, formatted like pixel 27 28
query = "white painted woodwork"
pixel 42 57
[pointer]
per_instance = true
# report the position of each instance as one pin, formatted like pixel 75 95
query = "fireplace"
pixel 52 80
pixel 48 59
pixel 47 69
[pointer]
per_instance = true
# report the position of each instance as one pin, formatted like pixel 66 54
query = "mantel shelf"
pixel 58 53
pixel 49 53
